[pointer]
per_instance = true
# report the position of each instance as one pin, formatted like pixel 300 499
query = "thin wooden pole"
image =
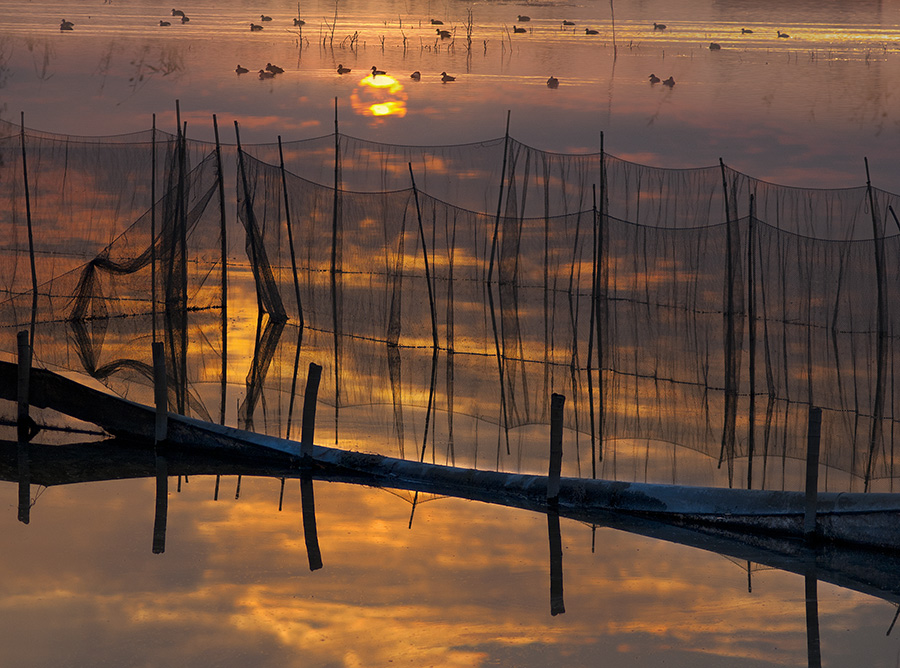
pixel 287 215
pixel 153 228
pixel 751 315
pixel 310 396
pixel 336 315
pixel 24 426
pixel 557 403
pixel 434 327
pixel 499 200
pixel 881 326
pixel 248 205
pixel 223 234
pixel 728 435
pixel 812 471
pixel 601 299
pixel 591 334
pixel 34 283
pixel 160 391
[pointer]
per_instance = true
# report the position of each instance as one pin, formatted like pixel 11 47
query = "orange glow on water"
pixel 379 96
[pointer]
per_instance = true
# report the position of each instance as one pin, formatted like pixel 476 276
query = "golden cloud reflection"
pixel 379 96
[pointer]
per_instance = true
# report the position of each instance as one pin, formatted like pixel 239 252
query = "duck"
pixel 177 12
pixel 274 69
pixel 445 34
pixel 254 27
pixel 522 17
pixel 659 26
pixel 241 70
pixel 415 76
pixel 376 71
pixel 568 23
pixel 164 23
pixel 552 82
pixel 654 79
pixel 591 31
pixel 341 69
pixel 435 22
pixel 745 31
pixel 299 22
pixel 265 74
pixel 783 34
pixel 184 19
pixel 714 47
pixel 263 17
pixel 669 82
pixel 66 25
pixel 446 77
pixel 517 29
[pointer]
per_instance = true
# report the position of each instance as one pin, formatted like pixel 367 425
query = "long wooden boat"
pixel 869 520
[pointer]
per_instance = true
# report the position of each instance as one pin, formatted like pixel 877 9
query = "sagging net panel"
pixel 715 336
pixel 126 243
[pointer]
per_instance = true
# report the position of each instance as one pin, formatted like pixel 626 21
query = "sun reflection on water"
pixel 379 95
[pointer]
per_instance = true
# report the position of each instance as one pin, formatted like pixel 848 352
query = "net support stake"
pixel 160 392
pixel 812 471
pixel 557 402
pixel 310 396
pixel 23 424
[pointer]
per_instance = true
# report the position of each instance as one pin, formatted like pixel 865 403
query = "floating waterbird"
pixel 522 17
pixel 659 26
pixel 254 27
pixel 177 12
pixel 552 82
pixel 445 34
pixel 263 17
pixel 783 34
pixel 435 22
pixel 241 70
pixel 415 76
pixel 745 31
pixel 654 79
pixel 376 71
pixel 446 77
pixel 299 22
pixel 184 19
pixel 568 23
pixel 66 25
pixel 341 69
pixel 714 47
pixel 164 23
pixel 669 82
pixel 517 29
pixel 274 69
pixel 591 31
pixel 265 74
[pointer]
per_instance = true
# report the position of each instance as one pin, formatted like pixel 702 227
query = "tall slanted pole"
pixel 600 296
pixel 434 327
pixel 335 310
pixel 590 350
pixel 34 284
pixel 153 228
pixel 290 231
pixel 878 407
pixel 223 241
pixel 24 425
pixel 751 315
pixel 728 427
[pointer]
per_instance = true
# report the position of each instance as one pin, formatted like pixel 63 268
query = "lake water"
pixel 457 583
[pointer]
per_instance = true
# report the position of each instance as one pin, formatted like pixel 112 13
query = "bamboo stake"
pixel 310 396
pixel 878 408
pixel 153 228
pixel 34 284
pixel 224 279
pixel 287 214
pixel 160 391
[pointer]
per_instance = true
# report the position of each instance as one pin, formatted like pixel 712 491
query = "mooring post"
pixel 310 396
pixel 162 505
pixel 24 378
pixel 160 391
pixel 812 470
pixel 557 402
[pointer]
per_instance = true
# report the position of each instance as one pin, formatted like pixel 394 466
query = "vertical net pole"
pixel 878 407
pixel 728 429
pixel 335 310
pixel 591 334
pixel 290 232
pixel 34 285
pixel 751 312
pixel 153 228
pixel 223 241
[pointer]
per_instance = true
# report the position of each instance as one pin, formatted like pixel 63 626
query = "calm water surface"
pixel 466 584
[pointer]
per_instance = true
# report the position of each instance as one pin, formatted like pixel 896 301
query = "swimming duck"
pixel 415 76
pixel 299 22
pixel 659 26
pixel 241 70
pixel 164 23
pixel 274 69
pixel 714 47
pixel 376 71
pixel 669 82
pixel 265 74
pixel 745 31
pixel 522 17
pixel 591 31
pixel 341 69
pixel 435 22
pixel 263 17
pixel 654 79
pixel 254 27
pixel 66 25
pixel 552 82
pixel 184 19
pixel 177 12
pixel 568 23
pixel 445 34
pixel 517 29
pixel 783 34
pixel 446 77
